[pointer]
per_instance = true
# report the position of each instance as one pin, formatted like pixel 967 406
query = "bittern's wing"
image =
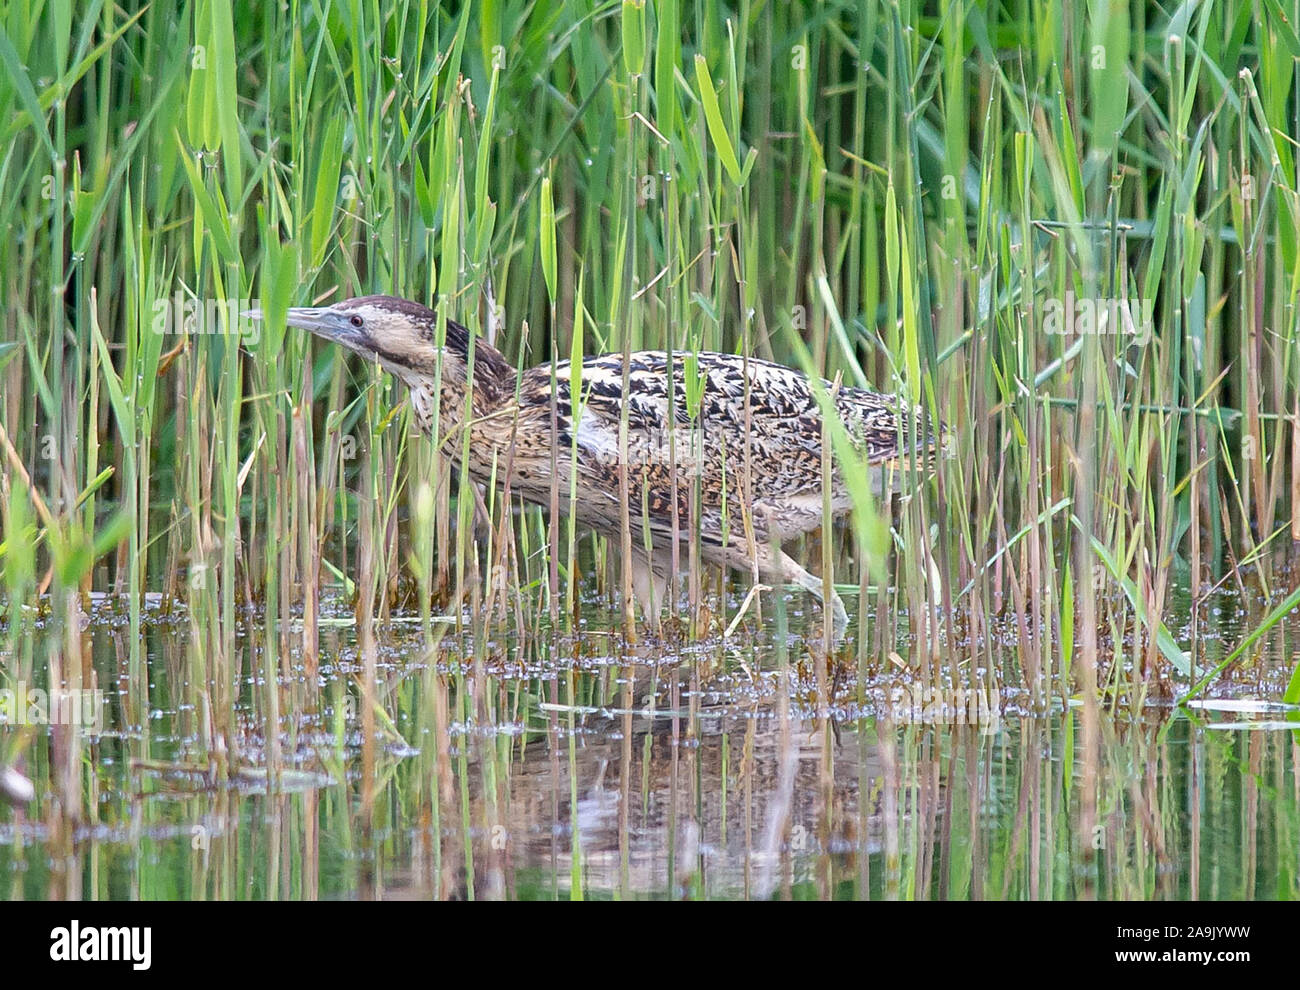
pixel 754 435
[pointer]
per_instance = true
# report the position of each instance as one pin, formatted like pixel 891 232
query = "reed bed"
pixel 1067 232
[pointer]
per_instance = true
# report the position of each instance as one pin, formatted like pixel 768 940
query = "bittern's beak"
pixel 326 322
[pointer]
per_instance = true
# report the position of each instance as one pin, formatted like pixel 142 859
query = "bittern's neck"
pixel 461 384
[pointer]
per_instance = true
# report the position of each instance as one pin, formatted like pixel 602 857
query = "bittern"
pixel 751 430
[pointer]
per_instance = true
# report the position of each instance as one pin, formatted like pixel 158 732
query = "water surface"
pixel 587 768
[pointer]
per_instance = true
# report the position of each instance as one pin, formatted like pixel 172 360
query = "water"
pixel 644 773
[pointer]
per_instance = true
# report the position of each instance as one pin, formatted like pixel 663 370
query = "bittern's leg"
pixel 779 567
pixel 650 584
pixel 813 585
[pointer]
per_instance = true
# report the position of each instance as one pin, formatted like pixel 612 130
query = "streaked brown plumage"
pixel 754 443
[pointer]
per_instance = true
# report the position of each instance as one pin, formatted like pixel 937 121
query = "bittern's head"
pixel 400 335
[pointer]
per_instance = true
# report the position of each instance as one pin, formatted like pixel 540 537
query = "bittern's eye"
pixel 357 321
